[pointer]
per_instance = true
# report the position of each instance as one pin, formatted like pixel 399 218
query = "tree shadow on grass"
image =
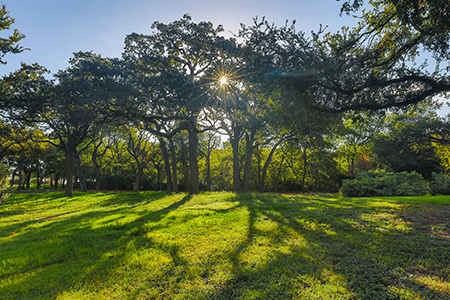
pixel 68 251
pixel 131 198
pixel 294 247
pixel 115 203
pixel 350 252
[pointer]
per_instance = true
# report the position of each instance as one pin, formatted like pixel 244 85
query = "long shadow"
pixel 362 257
pixel 131 198
pixel 122 201
pixel 70 252
pixel 343 245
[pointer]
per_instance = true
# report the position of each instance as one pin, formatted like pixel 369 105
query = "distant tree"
pixel 139 147
pixel 54 166
pixel 354 138
pixel 70 109
pixel 208 142
pixel 408 142
pixel 119 163
pixel 157 161
pixel 100 145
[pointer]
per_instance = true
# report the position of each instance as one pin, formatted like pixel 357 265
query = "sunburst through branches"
pixel 223 82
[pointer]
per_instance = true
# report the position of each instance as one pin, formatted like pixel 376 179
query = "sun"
pixel 222 82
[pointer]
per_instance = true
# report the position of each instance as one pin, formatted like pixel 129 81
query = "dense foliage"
pixel 186 109
pixel 384 183
pixel 440 184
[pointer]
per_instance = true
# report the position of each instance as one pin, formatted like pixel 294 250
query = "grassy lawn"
pixel 223 246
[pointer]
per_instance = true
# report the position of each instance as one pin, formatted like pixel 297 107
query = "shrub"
pixel 440 184
pixel 382 183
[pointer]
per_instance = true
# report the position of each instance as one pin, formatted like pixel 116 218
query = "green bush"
pixel 382 183
pixel 440 185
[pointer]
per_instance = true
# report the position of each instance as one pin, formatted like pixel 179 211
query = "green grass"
pixel 223 246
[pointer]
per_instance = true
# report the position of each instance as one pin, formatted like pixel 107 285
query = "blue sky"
pixel 55 29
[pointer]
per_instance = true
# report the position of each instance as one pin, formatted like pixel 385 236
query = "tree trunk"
pixel 13 177
pixel 158 170
pixel 19 186
pixel 98 179
pixel 165 156
pixel 186 167
pixel 249 139
pixel 235 146
pixel 194 180
pixel 68 192
pixel 28 179
pixel 56 181
pixel 262 184
pixel 80 172
pixel 137 182
pixel 174 166
pixel 98 173
pixel 258 159
pixel 38 177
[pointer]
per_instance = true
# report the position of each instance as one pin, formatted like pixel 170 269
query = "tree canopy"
pixel 273 108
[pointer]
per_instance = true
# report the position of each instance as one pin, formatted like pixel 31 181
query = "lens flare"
pixel 223 80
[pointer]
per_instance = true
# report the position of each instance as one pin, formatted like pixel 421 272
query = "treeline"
pixel 272 109
pixel 129 158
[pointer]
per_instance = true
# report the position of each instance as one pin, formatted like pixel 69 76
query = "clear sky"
pixel 55 29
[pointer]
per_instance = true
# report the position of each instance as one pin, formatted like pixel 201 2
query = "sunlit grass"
pixel 223 246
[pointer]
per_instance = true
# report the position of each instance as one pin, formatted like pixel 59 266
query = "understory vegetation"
pixel 153 245
pixel 386 184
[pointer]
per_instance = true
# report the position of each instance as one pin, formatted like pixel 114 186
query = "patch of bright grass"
pixel 223 246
